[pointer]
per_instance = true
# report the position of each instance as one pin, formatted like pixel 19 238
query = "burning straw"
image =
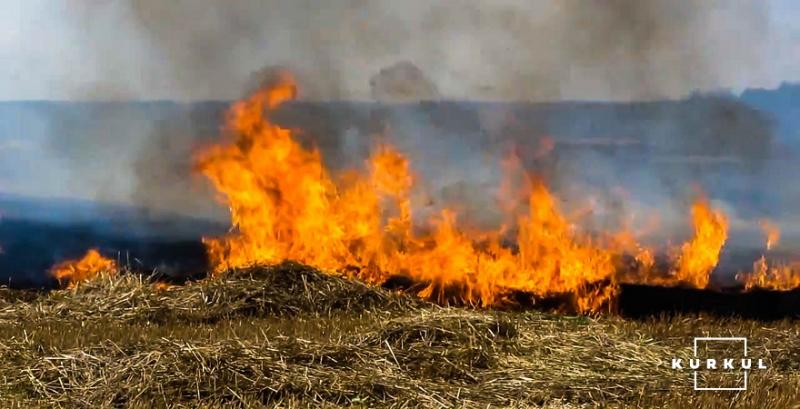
pixel 286 205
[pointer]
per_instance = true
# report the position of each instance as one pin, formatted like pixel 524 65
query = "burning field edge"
pixel 288 335
pixel 286 204
pixel 396 311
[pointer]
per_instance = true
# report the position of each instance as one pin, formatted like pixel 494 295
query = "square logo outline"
pixel 740 339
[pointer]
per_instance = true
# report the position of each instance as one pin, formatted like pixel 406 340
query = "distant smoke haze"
pixel 499 50
pixel 417 50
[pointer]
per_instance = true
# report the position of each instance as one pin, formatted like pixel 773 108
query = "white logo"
pixel 741 364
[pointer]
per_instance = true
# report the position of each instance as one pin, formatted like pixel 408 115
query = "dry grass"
pixel 288 336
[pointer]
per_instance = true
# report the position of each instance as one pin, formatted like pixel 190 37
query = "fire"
pixel 699 256
pixel 772 233
pixel 692 263
pixel 161 286
pixel 89 266
pixel 285 204
pixel 778 276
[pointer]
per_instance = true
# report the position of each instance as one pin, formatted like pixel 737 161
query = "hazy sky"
pixel 106 49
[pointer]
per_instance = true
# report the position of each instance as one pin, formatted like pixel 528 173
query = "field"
pixel 290 336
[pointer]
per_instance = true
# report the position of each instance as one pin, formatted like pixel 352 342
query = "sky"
pixel 114 49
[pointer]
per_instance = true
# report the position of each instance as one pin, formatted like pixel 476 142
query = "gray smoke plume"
pixel 400 82
pixel 504 50
pixel 416 50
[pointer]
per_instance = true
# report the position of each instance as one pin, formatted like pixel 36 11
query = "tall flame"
pixel 700 255
pixel 772 233
pixel 85 268
pixel 285 204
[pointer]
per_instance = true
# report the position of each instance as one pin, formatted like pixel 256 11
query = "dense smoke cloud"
pixel 402 52
pixel 508 49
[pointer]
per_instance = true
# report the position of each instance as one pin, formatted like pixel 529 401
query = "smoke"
pixel 505 50
pixel 162 165
pixel 416 50
pixel 403 81
pixel 655 49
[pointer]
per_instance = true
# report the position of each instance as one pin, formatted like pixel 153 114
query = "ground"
pixel 290 336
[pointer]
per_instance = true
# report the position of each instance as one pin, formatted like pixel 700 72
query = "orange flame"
pixel 284 204
pixel 89 266
pixel 772 233
pixel 160 286
pixel 779 276
pixel 700 255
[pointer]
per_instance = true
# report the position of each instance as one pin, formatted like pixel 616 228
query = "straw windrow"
pixel 290 336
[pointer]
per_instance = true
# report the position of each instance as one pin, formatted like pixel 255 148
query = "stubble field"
pixel 289 336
